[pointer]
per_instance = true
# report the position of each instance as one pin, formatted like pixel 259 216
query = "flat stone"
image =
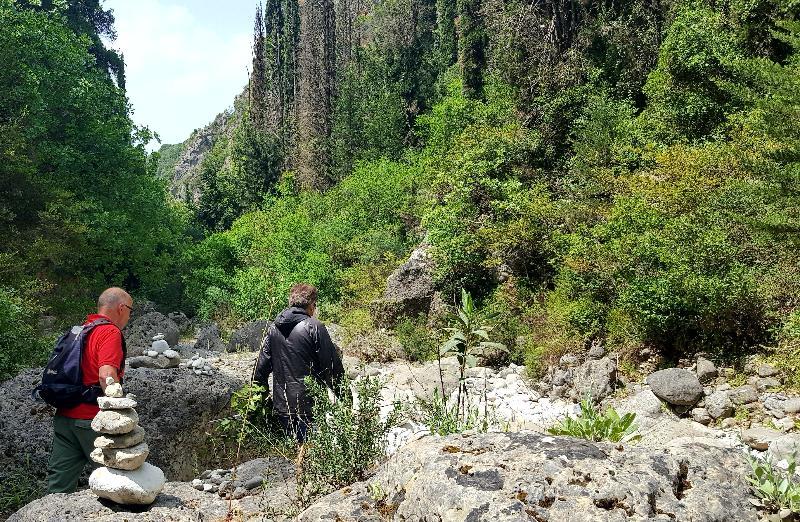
pixel 760 438
pixel 701 415
pixel 160 362
pixel 676 386
pixel 115 422
pixel 767 370
pixel 254 482
pixel 171 354
pixel 784 424
pixel 766 383
pixel 116 403
pixel 744 395
pixel 784 447
pixel 792 405
pixel 125 440
pixel 151 353
pixel 705 369
pixel 140 486
pixel 122 458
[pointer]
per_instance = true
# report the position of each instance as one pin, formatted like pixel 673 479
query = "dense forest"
pixel 623 172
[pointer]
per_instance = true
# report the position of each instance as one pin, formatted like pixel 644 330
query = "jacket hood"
pixel 289 318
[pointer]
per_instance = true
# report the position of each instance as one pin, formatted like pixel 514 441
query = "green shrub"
pixel 419 343
pixel 591 425
pixel 775 488
pixel 442 419
pixel 347 438
pixel 21 345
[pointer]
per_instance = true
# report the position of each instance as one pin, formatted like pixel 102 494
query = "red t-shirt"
pixel 104 347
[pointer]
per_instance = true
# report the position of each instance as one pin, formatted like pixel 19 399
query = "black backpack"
pixel 62 381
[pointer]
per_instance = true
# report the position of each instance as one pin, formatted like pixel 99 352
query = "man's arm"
pixel 264 363
pixel 107 371
pixel 331 369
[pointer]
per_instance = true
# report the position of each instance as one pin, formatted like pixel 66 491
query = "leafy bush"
pixel 775 488
pixel 418 342
pixel 21 345
pixel 591 425
pixel 443 419
pixel 347 438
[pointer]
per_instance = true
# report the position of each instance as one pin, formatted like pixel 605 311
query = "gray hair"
pixel 303 295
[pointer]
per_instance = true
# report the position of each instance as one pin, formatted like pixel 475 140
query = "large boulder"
pixel 676 386
pixel 409 290
pixel 527 476
pixel 210 339
pixel 174 407
pixel 248 338
pixel 595 379
pixel 139 333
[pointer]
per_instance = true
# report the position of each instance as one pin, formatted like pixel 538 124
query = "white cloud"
pixel 180 71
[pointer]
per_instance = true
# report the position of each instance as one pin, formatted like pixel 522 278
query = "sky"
pixel 185 60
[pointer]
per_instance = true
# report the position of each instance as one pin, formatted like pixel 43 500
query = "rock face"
pixel 409 290
pixel 676 386
pixel 209 339
pixel 595 379
pixel 175 406
pixel 139 333
pixel 526 476
pixel 248 338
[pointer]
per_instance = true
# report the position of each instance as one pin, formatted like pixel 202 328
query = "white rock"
pixel 115 422
pixel 140 486
pixel 197 483
pixel 208 487
pixel 113 389
pixel 198 363
pixel 158 337
pixel 125 440
pixel 195 357
pixel 198 372
pixel 122 458
pixel 116 403
pixel 171 354
pixel 207 368
pixel 151 353
pixel 160 345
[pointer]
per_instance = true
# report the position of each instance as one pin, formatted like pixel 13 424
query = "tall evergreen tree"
pixel 317 69
pixel 471 46
pixel 445 41
pixel 258 78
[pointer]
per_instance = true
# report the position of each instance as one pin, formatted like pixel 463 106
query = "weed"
pixel 775 488
pixel 18 487
pixel 591 425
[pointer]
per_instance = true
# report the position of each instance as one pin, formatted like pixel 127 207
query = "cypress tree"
pixel 471 47
pixel 258 77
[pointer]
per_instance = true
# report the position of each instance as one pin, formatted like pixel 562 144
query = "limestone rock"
pixel 596 351
pixel 139 333
pixel 767 370
pixel 792 405
pixel 765 383
pixel 209 338
pixel 248 338
pixel 701 415
pixel 122 458
pixel 115 403
pixel 159 362
pixel 113 389
pixel 784 447
pixel 595 378
pixel 409 289
pixel 706 371
pixel 527 476
pixel 171 354
pixel 159 345
pixel 676 386
pixel 744 395
pixel 140 486
pixel 115 422
pixel 719 405
pixel 760 438
pixel 126 440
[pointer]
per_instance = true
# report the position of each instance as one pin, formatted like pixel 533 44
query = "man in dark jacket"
pixel 297 345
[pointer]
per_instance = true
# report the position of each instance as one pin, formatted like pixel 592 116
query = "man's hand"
pixel 105 372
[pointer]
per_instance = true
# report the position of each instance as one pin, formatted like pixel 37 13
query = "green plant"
pixel 347 437
pixel 18 486
pixel 418 342
pixel 442 419
pixel 774 488
pixel 467 340
pixel 591 425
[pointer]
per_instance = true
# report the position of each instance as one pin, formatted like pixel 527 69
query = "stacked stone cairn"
pixel 159 356
pixel 124 477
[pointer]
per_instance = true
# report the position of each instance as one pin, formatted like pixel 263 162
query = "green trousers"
pixel 73 441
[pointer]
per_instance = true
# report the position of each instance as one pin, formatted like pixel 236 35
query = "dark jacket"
pixel 296 346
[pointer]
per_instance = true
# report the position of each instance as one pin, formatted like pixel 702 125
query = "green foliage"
pixel 443 419
pixel 418 342
pixel 21 344
pixel 592 425
pixel 18 487
pixel 348 436
pixel 775 488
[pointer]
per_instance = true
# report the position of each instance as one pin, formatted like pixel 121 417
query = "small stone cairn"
pixel 159 356
pixel 125 477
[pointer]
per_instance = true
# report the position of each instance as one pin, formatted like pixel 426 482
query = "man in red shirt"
pixel 103 356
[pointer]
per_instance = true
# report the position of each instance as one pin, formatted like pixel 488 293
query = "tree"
pixel 317 70
pixel 258 78
pixel 471 46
